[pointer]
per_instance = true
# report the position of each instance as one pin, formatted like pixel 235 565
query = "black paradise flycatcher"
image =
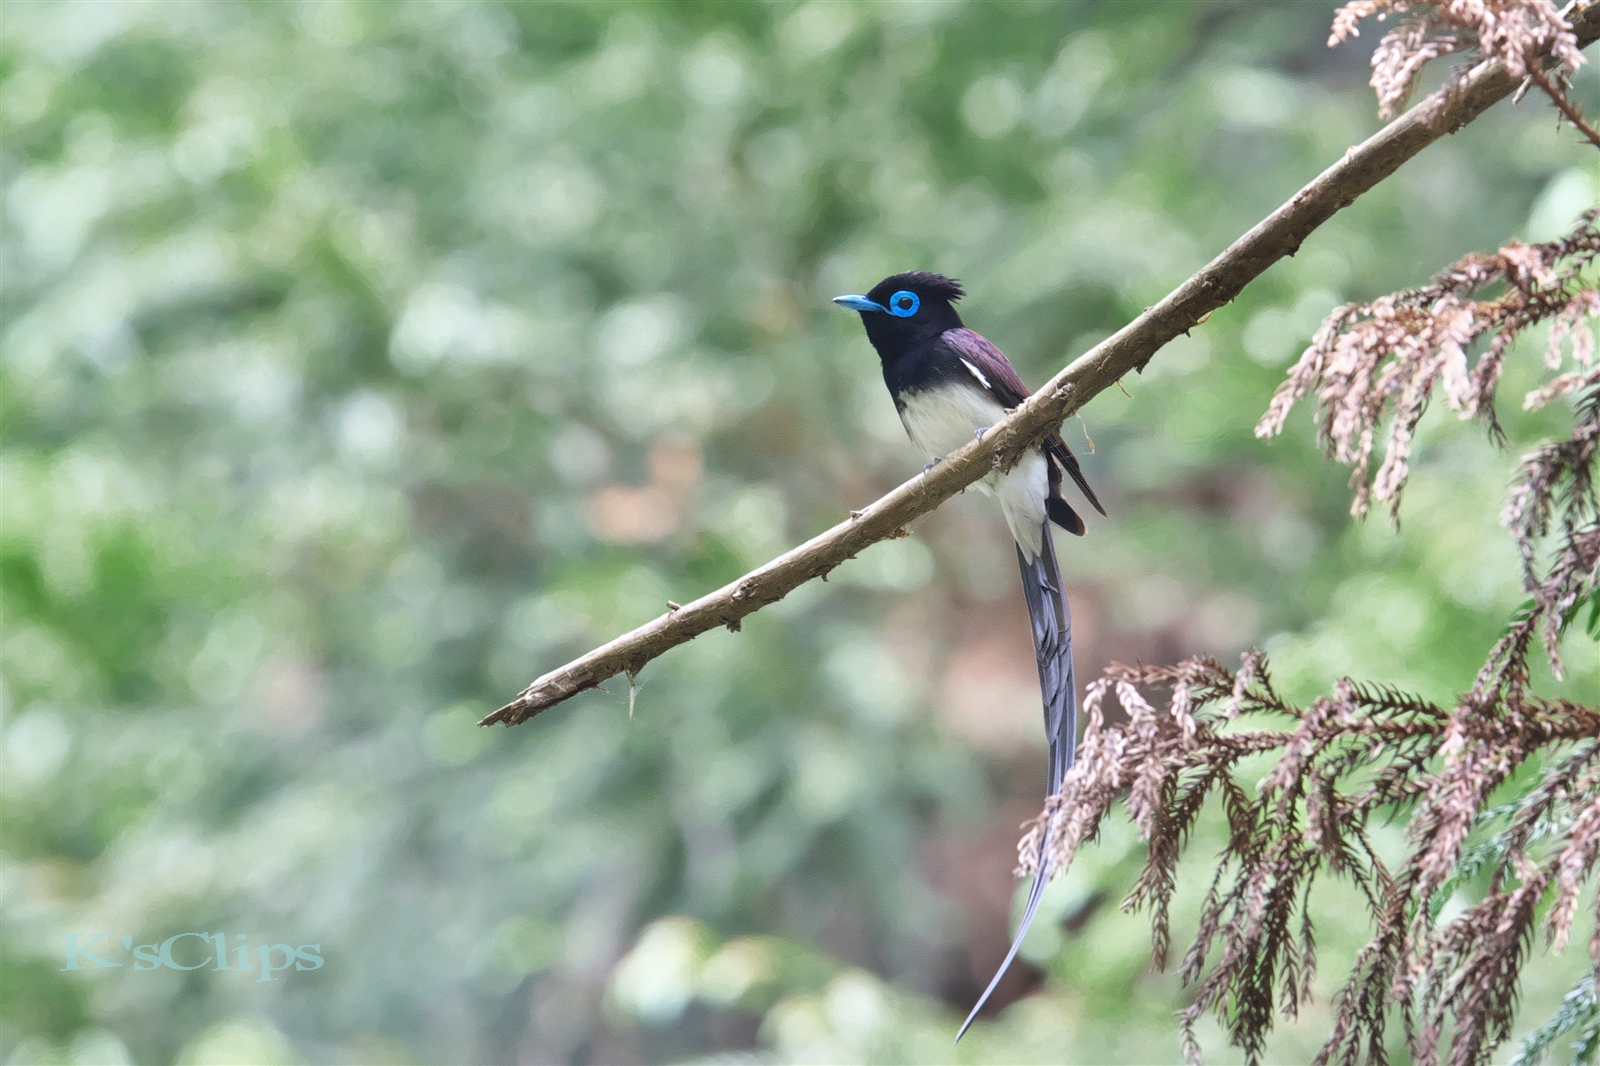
pixel 950 384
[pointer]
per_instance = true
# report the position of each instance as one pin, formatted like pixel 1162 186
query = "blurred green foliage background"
pixel 363 361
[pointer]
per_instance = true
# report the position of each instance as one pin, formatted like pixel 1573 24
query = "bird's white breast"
pixel 941 420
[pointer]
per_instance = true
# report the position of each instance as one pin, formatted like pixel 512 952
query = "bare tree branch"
pixel 1277 236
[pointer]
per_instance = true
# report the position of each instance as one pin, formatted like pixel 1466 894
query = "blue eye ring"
pixel 904 304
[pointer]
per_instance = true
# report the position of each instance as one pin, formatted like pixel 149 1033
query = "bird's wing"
pixel 1052 644
pixel 989 366
pixel 1062 456
pixel 993 372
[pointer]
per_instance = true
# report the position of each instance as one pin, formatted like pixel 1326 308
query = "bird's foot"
pixel 981 431
pixel 936 461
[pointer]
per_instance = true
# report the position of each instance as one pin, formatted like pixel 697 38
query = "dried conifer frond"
pixel 1558 477
pixel 1391 354
pixel 1364 753
pixel 1520 33
pixel 1370 752
pixel 1394 351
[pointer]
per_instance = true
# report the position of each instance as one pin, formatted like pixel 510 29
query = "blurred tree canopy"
pixel 362 361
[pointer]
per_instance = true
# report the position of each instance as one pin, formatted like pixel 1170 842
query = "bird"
pixel 949 385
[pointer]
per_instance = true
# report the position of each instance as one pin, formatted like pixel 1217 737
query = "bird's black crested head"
pixel 906 309
pixel 925 284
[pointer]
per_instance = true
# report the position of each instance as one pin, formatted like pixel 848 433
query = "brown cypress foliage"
pixel 1520 33
pixel 1348 760
pixel 1368 753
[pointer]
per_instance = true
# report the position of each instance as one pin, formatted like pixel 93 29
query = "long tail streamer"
pixel 1052 646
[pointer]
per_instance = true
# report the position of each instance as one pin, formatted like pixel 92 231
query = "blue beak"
pixel 859 303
